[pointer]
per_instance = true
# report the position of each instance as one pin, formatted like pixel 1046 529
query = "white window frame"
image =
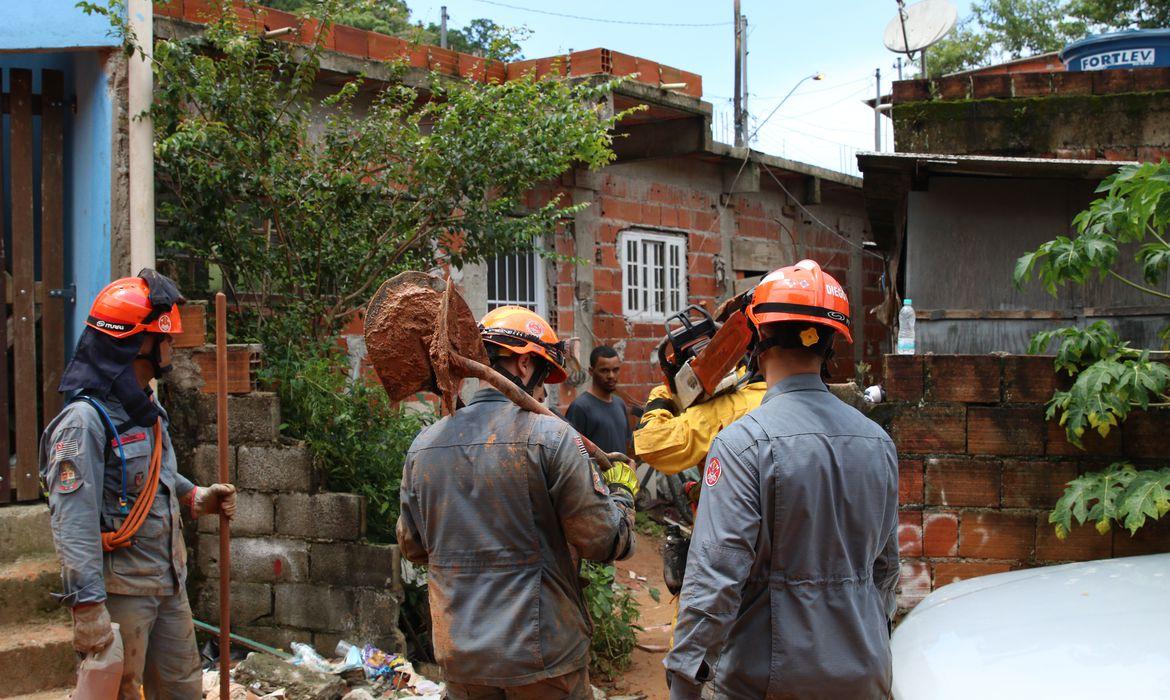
pixel 504 271
pixel 638 252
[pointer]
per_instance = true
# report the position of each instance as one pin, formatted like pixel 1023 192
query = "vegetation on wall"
pixel 1111 378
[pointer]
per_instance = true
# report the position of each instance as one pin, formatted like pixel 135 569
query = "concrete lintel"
pixel 812 190
pixel 740 178
pixel 667 139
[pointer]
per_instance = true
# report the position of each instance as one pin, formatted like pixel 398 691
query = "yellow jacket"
pixel 671 443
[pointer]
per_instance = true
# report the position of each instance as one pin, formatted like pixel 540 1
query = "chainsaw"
pixel 700 352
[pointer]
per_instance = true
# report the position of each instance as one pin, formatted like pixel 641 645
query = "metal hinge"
pixel 69 293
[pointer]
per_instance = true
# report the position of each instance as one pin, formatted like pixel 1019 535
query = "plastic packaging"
pixel 379 664
pixel 906 329
pixel 307 656
pixel 100 674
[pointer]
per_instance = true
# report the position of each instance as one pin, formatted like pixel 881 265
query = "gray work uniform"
pixel 499 503
pixel 789 587
pixel 143 585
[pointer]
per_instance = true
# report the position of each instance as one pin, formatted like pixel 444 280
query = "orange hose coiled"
pixel 124 536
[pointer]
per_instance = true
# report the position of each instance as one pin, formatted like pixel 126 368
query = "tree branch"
pixel 1141 288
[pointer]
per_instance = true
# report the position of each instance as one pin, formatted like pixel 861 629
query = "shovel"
pixel 421 336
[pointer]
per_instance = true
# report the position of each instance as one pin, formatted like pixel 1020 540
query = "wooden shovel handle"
pixel 471 368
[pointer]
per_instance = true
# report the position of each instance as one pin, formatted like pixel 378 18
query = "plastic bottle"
pixel 100 674
pixel 906 329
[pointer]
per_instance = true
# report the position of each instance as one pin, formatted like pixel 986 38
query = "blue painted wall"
pixel 51 24
pixel 88 163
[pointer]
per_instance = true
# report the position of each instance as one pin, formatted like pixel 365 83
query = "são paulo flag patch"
pixel 714 471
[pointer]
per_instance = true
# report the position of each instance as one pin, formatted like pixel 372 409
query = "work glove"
pixel 217 498
pixel 92 630
pixel 621 474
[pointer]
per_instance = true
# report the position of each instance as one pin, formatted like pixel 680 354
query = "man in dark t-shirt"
pixel 598 413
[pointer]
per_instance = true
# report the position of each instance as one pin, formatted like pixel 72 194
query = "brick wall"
pixel 682 197
pixel 300 569
pixel 1108 114
pixel 980 469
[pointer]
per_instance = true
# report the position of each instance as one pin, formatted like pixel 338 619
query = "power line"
pixel 606 20
pixel 822 108
pixel 823 225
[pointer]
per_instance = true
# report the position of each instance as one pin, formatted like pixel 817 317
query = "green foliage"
pixel 357 437
pixel 306 203
pixel 615 613
pixel 1001 30
pixel 1121 494
pixel 1111 378
pixel 645 525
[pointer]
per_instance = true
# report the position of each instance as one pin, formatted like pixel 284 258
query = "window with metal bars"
pixel 654 274
pixel 516 279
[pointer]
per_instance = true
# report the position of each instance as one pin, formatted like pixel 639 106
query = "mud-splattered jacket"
pixel 790 577
pixel 82 472
pixel 498 502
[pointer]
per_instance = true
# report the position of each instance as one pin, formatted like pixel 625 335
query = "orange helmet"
pixel 522 331
pixel 801 293
pixel 123 309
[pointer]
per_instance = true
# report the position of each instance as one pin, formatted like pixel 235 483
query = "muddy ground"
pixel 646 675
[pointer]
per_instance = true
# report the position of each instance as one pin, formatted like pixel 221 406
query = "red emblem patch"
pixel 714 471
pixel 535 328
pixel 128 438
pixel 164 323
pixel 67 481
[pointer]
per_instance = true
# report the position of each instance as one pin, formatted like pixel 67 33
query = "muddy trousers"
pixel 158 637
pixel 571 686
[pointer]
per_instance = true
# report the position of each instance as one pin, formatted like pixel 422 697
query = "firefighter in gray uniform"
pixel 789 586
pixel 116 499
pixel 499 503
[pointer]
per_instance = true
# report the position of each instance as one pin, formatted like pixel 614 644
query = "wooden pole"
pixel 225 553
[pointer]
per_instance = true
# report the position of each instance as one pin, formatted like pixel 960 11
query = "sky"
pixel 824 122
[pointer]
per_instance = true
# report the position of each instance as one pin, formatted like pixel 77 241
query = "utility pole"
pixel 877 112
pixel 743 43
pixel 443 27
pixel 898 65
pixel 738 78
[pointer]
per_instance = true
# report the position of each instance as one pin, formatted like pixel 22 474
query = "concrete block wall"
pixel 1107 114
pixel 300 569
pixel 981 468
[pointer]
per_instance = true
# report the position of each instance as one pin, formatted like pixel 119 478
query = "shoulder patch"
pixel 67 481
pixel 66 449
pixel 714 471
pixel 598 484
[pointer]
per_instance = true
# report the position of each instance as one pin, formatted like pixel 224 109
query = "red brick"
pixel 911 486
pixel 1005 431
pixel 903 377
pixel 1059 446
pixel 911 91
pixel 615 186
pixel 910 534
pixel 1120 154
pixel 586 62
pixel 930 429
pixel 709 244
pixel 609 326
pixel 1034 484
pixel 352 41
pixel 387 48
pixel 1072 83
pixel 169 8
pixel 621 209
pixel 670 217
pixel 986 86
pixel 1028 379
pixel 702 287
pixel 608 302
pixel 1154 538
pixel 955 87
pixel 607 279
pixel 1151 79
pixel 1152 154
pixel 1084 543
pixel 201 11
pixel 962 482
pixel 1112 82
pixel 947 572
pixel 1147 433
pixel 940 534
pixel 1031 84
pixel 705 221
pixel 913 583
pixel 997 535
pixel 963 378
pixel 442 60
pixel 651 214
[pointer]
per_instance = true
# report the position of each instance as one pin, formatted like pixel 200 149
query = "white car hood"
pixel 1086 630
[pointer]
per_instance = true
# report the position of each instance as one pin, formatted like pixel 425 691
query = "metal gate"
pixel 33 327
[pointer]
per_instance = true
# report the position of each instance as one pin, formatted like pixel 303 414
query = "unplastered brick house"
pixel 677 219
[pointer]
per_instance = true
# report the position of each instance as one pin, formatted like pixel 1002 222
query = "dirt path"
pixel 646 675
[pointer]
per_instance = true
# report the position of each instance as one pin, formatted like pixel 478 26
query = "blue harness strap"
pixel 123 502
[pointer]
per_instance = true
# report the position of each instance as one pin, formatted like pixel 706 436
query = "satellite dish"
pixel 916 27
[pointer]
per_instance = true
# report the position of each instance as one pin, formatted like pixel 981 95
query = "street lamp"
pixel 815 76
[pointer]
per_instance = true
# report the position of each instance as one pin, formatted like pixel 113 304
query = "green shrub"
pixel 357 437
pixel 615 615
